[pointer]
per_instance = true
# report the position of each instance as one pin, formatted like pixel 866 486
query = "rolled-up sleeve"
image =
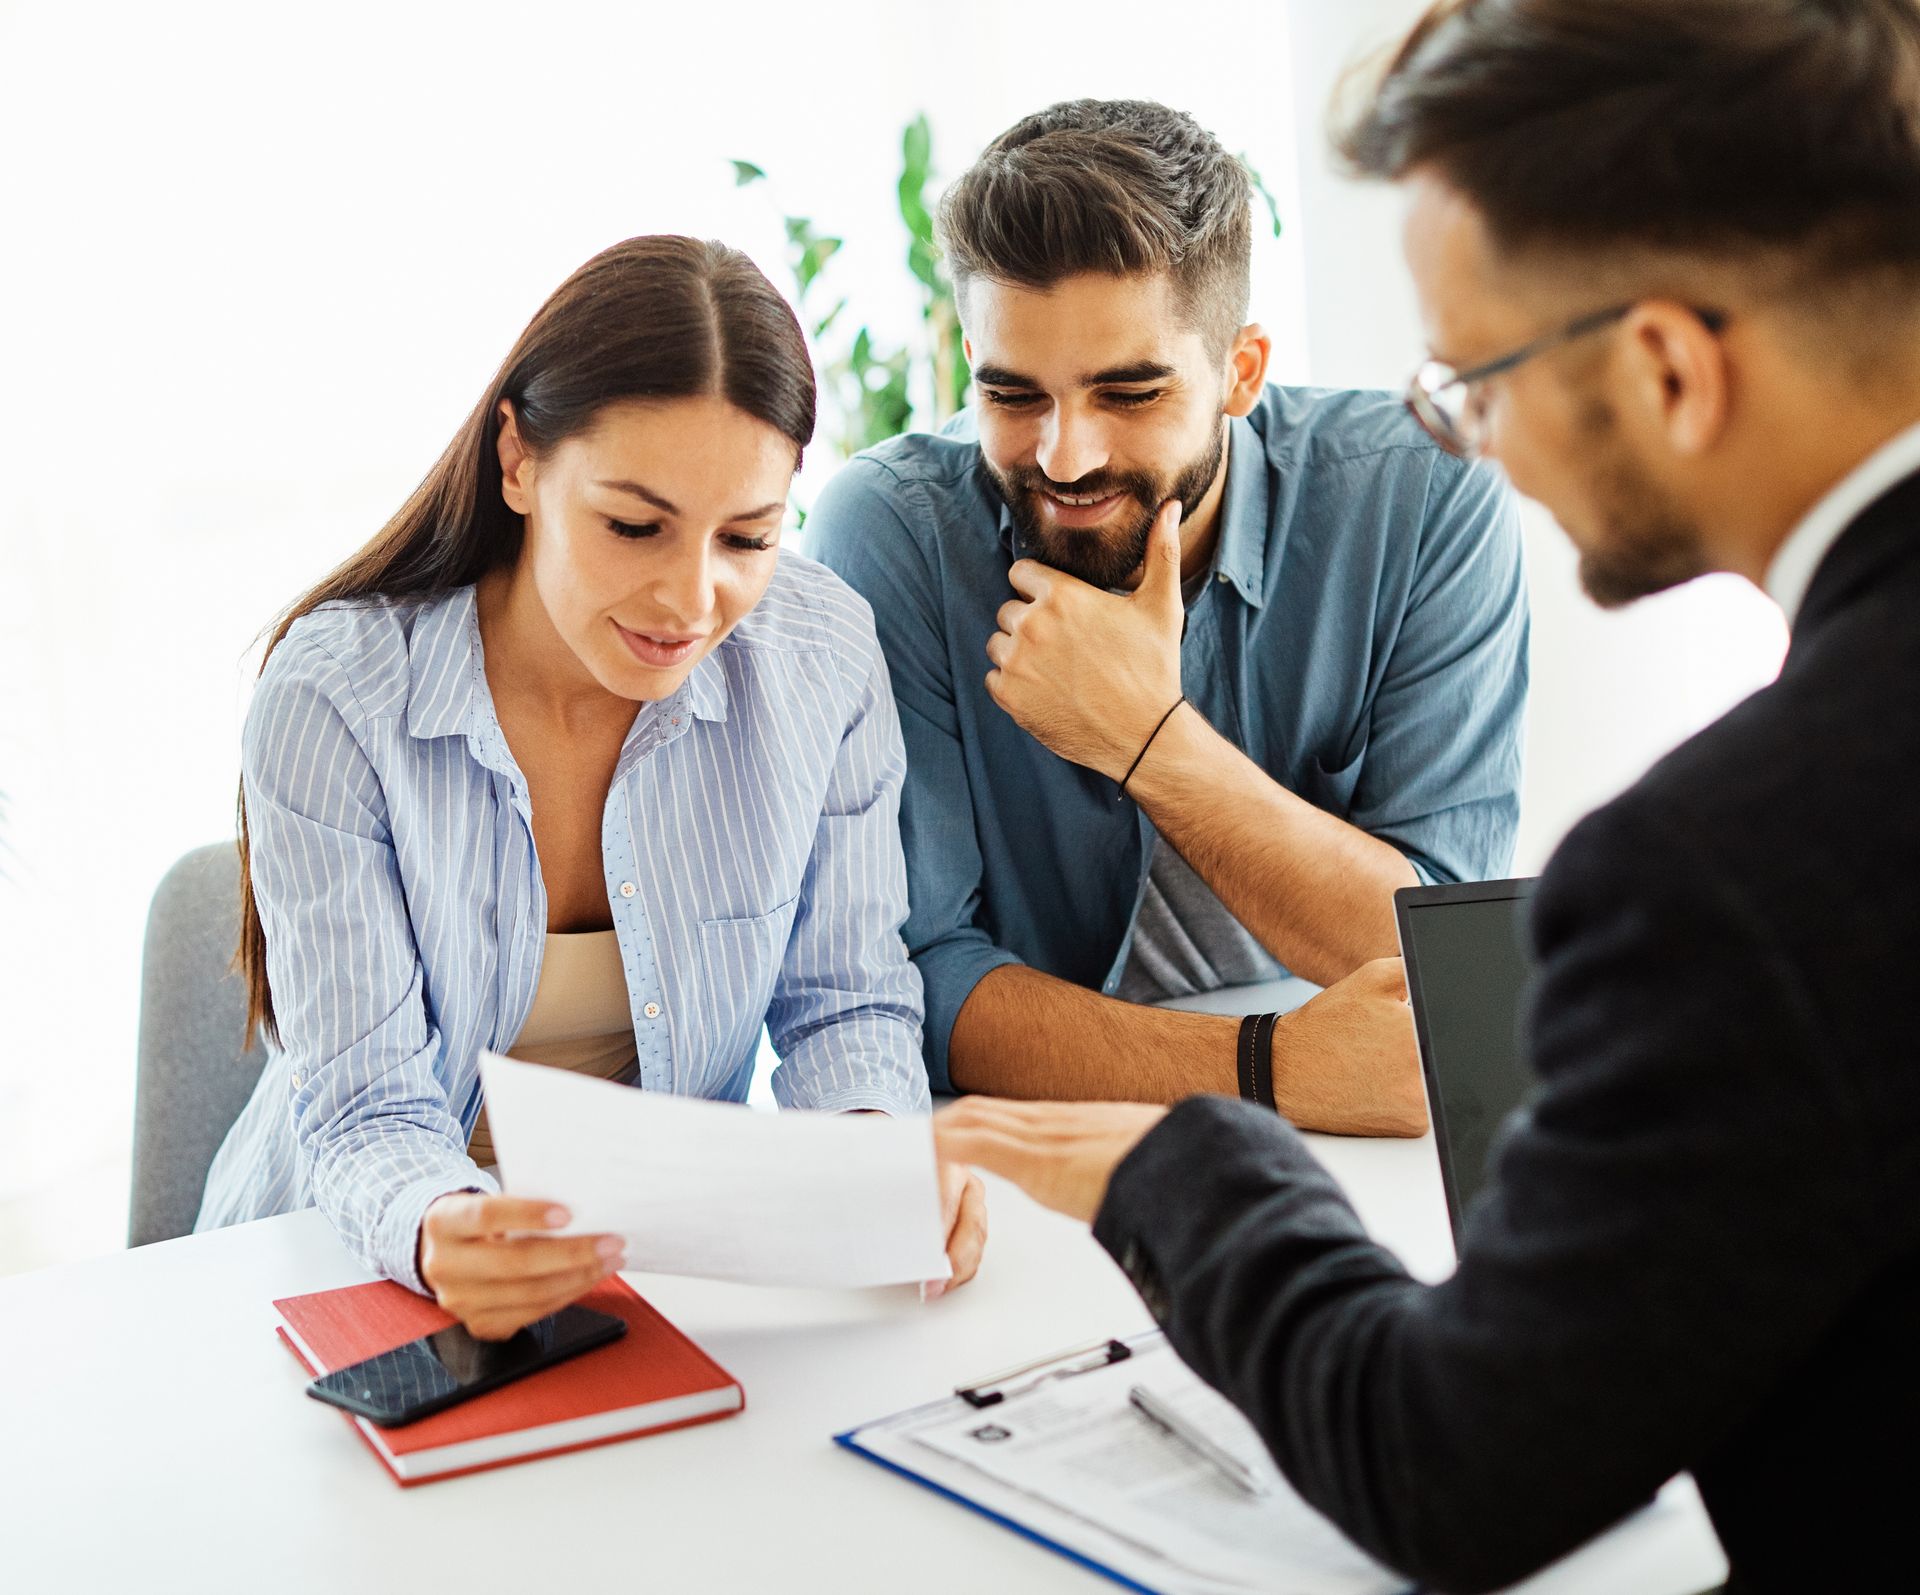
pixel 375 1135
pixel 846 1011
pixel 1443 759
pixel 858 529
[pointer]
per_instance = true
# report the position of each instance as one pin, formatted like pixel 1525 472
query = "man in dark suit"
pixel 1670 256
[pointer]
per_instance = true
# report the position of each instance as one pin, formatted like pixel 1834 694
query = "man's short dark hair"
pixel 1124 187
pixel 1725 128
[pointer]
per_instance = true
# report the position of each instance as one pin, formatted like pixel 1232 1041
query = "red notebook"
pixel 652 1378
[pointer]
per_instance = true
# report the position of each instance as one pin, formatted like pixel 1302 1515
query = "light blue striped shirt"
pixel 753 867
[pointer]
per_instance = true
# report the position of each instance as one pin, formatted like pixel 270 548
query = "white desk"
pixel 153 1436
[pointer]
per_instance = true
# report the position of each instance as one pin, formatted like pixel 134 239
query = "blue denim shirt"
pixel 1363 638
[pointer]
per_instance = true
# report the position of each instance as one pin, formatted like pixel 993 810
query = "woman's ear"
pixel 516 464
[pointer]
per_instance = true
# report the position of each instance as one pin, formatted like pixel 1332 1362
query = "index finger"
pixel 496 1215
pixel 1030 578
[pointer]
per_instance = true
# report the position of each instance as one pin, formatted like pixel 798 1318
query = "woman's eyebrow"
pixel 621 486
pixel 638 491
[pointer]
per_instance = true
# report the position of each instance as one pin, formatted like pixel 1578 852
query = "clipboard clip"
pixel 1090 1358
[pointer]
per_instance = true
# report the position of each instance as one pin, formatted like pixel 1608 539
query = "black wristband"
pixel 1148 743
pixel 1255 1058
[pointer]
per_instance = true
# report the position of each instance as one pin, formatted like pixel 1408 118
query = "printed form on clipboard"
pixel 1066 1452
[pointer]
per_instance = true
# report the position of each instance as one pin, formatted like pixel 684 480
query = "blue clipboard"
pixel 988 1394
pixel 851 1442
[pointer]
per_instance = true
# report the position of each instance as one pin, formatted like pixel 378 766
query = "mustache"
pixel 1099 484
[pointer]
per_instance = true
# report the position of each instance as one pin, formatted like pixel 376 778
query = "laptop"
pixel 1468 970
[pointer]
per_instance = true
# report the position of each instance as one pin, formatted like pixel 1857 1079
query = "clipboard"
pixel 1097 1374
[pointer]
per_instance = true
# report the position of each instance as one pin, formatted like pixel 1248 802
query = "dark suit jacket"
pixel 1700 1248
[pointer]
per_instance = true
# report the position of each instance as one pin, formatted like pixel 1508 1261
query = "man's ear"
pixel 516 464
pixel 1677 382
pixel 1247 359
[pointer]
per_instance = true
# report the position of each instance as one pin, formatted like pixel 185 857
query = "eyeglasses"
pixel 1446 403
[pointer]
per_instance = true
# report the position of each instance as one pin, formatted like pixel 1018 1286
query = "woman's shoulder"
pixel 364 653
pixel 807 608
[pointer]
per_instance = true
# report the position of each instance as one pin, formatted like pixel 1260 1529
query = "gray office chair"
pixel 194 1078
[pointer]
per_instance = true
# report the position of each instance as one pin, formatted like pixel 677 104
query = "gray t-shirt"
pixel 1185 940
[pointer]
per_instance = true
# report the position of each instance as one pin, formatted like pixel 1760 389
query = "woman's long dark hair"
pixel 659 317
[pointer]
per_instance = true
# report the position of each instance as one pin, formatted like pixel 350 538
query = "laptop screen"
pixel 1467 973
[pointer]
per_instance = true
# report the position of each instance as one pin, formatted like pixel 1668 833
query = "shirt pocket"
pixel 740 958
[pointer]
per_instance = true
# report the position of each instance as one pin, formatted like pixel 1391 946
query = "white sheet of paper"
pixel 720 1190
pixel 1079 1447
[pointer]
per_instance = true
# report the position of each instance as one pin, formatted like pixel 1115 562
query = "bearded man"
pixel 1193 671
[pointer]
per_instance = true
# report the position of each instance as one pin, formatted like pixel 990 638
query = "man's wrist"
pixel 1254 1059
pixel 1168 756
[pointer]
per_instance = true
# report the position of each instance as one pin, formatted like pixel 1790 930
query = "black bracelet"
pixel 1148 743
pixel 1256 1058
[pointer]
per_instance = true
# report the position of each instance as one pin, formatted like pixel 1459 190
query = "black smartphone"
pixel 440 1370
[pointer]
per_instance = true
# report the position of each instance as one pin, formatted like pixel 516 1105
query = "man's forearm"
pixel 1316 891
pixel 1024 1034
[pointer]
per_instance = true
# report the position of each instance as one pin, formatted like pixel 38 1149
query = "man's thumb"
pixel 1161 579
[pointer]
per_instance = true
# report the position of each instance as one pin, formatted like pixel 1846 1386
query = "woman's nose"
pixel 685 588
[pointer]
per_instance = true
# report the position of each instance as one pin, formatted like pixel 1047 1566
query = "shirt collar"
pixel 1794 564
pixel 443 657
pixel 1240 555
pixel 445 674
pixel 705 689
pixel 1240 552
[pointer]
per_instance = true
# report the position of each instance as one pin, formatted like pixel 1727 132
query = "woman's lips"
pixel 1062 513
pixel 659 652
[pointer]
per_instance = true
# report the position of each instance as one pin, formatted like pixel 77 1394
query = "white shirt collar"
pixel 1791 572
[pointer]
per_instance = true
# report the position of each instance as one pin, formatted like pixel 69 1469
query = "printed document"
pixel 720 1190
pixel 1080 1447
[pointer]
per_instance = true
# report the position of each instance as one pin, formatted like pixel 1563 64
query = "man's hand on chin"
pixel 1062 1154
pixel 1091 673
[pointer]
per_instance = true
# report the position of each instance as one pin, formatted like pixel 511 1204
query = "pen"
pixel 1224 1462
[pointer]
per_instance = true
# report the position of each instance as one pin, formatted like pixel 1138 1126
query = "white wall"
pixel 1611 692
pixel 260 262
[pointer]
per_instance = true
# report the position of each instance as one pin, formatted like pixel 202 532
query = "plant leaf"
pixel 745 172
pixel 1266 194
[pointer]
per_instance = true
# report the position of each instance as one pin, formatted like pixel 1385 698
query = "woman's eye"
pixel 1133 401
pixel 631 529
pixel 750 545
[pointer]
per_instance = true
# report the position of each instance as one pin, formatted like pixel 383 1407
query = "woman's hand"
pixel 497 1280
pixel 963 1205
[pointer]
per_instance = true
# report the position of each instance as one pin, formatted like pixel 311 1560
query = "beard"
pixel 1646 544
pixel 1104 556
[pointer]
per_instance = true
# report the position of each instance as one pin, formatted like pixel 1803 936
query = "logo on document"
pixel 990 1432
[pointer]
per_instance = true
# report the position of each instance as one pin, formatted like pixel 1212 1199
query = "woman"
pixel 570 763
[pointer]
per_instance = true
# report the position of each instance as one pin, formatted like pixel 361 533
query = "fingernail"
pixel 932 1289
pixel 611 1246
pixel 556 1216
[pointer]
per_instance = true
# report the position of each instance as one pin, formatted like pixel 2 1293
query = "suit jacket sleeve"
pixel 1671 1218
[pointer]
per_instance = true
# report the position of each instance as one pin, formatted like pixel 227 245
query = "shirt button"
pixel 1219 575
pixel 652 1010
pixel 627 888
pixel 296 1080
pixel 675 720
